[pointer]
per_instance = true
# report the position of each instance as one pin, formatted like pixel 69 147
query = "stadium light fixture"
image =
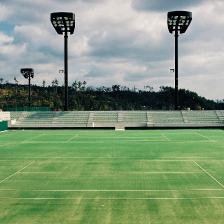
pixel 178 22
pixel 28 73
pixel 64 22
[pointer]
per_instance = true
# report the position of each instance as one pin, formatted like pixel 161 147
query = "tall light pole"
pixel 64 22
pixel 178 22
pixel 28 73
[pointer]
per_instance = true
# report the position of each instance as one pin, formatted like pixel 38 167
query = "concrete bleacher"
pixel 105 116
pixel 51 119
pixel 201 118
pixel 135 116
pixel 167 118
pixel 116 119
pixel 15 115
pixel 37 117
pixel 220 114
pixel 5 116
pixel 31 119
pixel 75 118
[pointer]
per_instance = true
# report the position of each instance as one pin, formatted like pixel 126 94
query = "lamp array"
pixel 63 22
pixel 178 21
pixel 27 72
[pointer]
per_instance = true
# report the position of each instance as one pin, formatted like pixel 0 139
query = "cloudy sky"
pixel 115 42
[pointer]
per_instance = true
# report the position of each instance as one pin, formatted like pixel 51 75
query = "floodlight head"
pixel 27 72
pixel 178 21
pixel 63 22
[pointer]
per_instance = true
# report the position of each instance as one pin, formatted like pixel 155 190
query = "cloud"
pixel 115 42
pixel 4 12
pixel 164 5
pixel 96 72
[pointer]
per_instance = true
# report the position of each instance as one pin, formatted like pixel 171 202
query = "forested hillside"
pixel 101 98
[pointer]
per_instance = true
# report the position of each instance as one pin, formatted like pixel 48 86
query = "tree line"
pixel 116 97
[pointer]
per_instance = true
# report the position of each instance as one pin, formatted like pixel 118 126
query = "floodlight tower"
pixel 178 22
pixel 28 73
pixel 64 22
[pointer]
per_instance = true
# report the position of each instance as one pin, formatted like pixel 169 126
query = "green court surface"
pixel 102 176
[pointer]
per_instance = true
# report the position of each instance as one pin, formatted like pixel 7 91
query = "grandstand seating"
pixel 105 116
pixel 5 116
pixel 117 119
pixel 52 118
pixel 15 115
pixel 220 114
pixel 37 117
pixel 135 116
pixel 78 118
pixel 203 117
pixel 167 117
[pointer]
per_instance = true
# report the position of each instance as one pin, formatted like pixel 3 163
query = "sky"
pixel 115 42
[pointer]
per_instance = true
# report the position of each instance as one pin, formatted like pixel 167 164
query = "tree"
pixel 1 80
pixel 84 83
pixel 103 98
pixel 116 88
pixel 43 83
pixel 150 89
pixel 16 82
pixel 75 85
pixel 55 84
pixel 79 86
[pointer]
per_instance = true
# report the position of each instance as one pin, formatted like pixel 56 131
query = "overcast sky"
pixel 115 42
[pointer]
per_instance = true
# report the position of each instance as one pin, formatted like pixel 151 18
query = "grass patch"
pixel 150 176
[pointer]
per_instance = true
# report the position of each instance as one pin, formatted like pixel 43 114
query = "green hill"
pixel 102 98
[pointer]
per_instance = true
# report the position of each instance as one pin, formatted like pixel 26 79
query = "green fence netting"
pixel 3 125
pixel 28 109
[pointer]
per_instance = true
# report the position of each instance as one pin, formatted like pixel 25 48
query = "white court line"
pixel 119 137
pixel 32 138
pixel 196 198
pixel 185 190
pixel 112 173
pixel 112 141
pixel 12 160
pixel 209 174
pixel 165 137
pixel 76 157
pixel 17 172
pixel 72 138
pixel 206 137
pixel 106 161
pixel 133 160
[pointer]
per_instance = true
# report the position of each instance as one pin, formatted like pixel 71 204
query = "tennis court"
pixel 103 176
